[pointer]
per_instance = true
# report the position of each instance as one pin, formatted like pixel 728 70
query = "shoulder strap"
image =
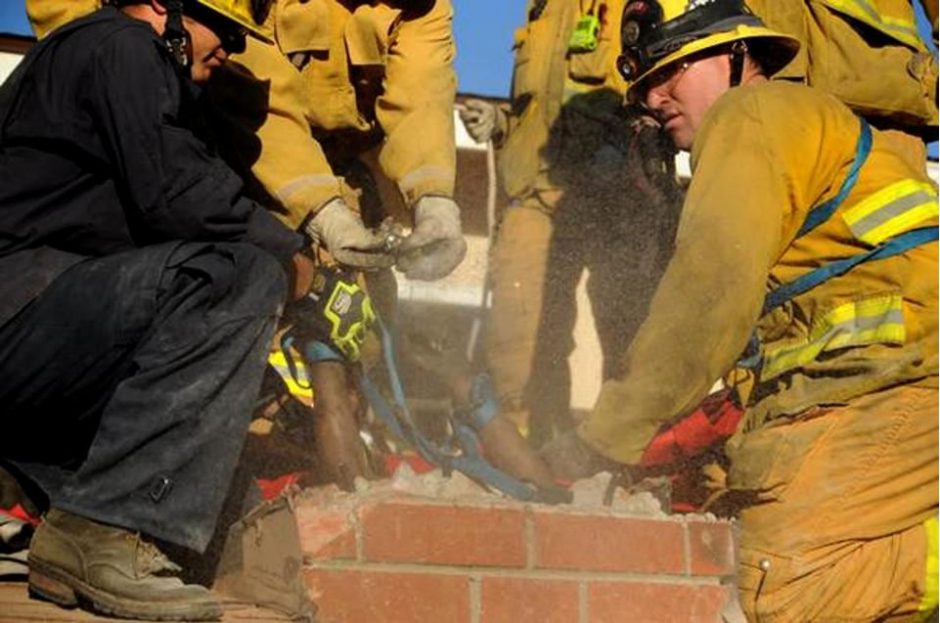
pixel 823 211
pixel 752 356
pixel 810 280
pixel 819 215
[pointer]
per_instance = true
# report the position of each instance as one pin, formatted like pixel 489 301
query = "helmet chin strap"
pixel 738 53
pixel 176 37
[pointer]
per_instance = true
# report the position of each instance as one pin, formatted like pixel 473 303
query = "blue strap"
pixel 810 280
pixel 823 211
pixel 312 352
pixel 483 405
pixel 398 418
pixel 287 341
pixel 315 351
pixel 752 357
pixel 816 217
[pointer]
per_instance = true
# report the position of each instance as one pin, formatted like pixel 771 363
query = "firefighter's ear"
pixel 158 6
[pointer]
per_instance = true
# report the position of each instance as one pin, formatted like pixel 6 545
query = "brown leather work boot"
pixel 75 561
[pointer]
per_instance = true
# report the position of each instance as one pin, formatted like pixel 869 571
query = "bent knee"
pixel 865 580
pixel 260 270
pixel 239 277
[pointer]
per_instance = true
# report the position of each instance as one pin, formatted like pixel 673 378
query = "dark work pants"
pixel 126 387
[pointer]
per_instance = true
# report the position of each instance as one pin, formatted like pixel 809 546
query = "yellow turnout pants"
pixel 842 522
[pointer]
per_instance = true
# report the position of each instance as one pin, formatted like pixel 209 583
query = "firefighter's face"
pixel 681 95
pixel 211 44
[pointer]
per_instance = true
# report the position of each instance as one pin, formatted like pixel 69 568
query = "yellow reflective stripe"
pixel 423 174
pixel 878 320
pixel 304 182
pixel 278 361
pixel 892 210
pixel 904 30
pixel 932 574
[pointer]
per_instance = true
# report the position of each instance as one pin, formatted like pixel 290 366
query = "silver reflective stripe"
pixel 858 323
pixel 303 182
pixel 896 208
pixel 412 179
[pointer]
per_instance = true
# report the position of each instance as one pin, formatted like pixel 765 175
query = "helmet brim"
pixel 777 50
pixel 260 31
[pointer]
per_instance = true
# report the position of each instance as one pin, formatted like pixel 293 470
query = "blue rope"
pixel 398 418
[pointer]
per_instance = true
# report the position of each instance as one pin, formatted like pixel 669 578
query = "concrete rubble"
pixel 457 488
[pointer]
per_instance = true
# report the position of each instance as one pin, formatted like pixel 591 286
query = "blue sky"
pixel 483 29
pixel 13 17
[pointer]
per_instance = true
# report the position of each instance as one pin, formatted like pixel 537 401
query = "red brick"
pixel 711 548
pixel 446 535
pixel 326 534
pixel 521 600
pixel 591 543
pixel 347 596
pixel 646 602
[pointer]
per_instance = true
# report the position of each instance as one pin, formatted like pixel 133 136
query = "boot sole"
pixel 51 584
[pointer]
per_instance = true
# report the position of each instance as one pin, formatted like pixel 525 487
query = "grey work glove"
pixel 338 228
pixel 484 121
pixel 436 245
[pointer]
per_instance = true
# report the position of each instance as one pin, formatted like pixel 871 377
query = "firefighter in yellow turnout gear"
pixel 869 54
pixel 805 270
pixel 349 84
pixel 564 158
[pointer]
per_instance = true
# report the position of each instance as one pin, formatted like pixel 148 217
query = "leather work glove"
pixel 436 245
pixel 570 459
pixel 484 121
pixel 338 228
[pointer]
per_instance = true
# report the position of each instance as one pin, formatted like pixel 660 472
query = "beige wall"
pixel 8 61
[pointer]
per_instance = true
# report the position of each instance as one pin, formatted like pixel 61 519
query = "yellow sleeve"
pixel 416 110
pixel 264 100
pixel 709 299
pixel 47 15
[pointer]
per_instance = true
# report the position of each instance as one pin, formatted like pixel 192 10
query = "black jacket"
pixel 98 155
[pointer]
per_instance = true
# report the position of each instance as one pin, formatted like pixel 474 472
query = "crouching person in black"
pixel 138 295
